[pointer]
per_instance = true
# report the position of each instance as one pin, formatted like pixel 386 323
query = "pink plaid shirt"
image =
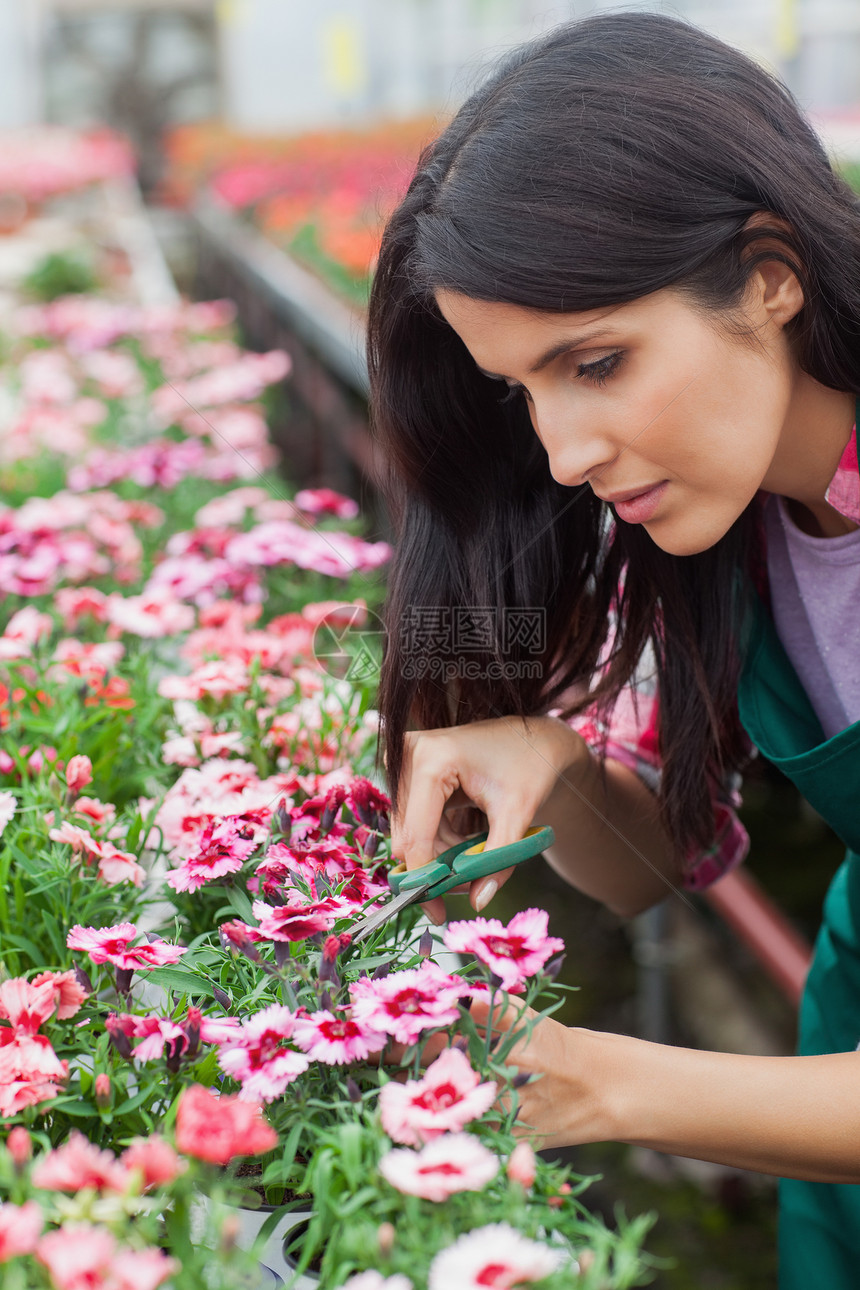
pixel 631 733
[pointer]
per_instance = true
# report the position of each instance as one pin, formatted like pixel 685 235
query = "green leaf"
pixel 241 904
pixel 176 978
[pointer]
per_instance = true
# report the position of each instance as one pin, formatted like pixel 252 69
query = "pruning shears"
pixel 463 863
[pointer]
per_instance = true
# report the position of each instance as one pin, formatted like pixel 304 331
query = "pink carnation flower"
pixel 80 1256
pixel 336 1040
pixel 295 922
pixel 114 866
pixel 325 501
pixel 448 1097
pixel 26 1004
pixel 258 1057
pixel 20 1226
pixel 216 1128
pixel 224 847
pixel 513 953
pixel 157 1032
pixel 455 1162
pixel 93 809
pixel 217 679
pixel 154 1160
pixel 495 1256
pixel 68 993
pixel 113 945
pixel 79 773
pixel 119 866
pixel 17 1094
pixel 77 1165
pixel 153 615
pixel 405 1004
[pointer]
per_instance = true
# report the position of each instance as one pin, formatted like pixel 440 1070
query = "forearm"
pixel 798 1117
pixel 610 843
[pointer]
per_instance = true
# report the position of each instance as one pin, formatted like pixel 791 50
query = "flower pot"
pixel 276 1270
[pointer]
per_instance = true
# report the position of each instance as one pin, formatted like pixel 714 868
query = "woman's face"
pixel 650 401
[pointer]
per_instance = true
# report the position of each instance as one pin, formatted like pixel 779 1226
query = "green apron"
pixel 819 1229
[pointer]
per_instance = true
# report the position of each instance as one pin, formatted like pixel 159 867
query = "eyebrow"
pixel 554 352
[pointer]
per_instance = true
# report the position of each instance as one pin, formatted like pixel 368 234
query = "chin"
pixel 685 539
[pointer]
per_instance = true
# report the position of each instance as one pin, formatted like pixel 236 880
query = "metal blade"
pixel 383 915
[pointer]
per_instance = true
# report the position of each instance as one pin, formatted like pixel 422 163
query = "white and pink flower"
pixel 20 1228
pixel 258 1055
pixel 336 1039
pixel 513 953
pixel 407 1003
pixel 113 945
pixel 495 1257
pixel 455 1162
pixel 447 1098
pixel 78 1165
pixel 79 1255
pixel 8 807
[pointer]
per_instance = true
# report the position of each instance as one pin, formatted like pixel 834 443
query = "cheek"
pixel 715 424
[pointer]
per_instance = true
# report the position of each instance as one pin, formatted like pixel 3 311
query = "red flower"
pixel 217 1128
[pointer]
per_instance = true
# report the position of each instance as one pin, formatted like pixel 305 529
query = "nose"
pixel 578 450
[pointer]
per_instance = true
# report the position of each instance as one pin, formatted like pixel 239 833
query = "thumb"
pixel 504 829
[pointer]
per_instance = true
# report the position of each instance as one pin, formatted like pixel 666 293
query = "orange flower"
pixel 113 694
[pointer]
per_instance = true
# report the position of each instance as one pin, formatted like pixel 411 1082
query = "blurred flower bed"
pixel 48 160
pixel 191 822
pixel 67 201
pixel 324 197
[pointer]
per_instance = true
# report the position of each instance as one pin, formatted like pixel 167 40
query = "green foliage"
pixel 61 273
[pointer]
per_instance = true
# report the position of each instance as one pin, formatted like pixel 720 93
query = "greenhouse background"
pixel 246 152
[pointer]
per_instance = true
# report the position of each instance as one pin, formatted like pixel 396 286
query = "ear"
pixel 774 288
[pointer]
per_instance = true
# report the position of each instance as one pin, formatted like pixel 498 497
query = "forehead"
pixel 495 331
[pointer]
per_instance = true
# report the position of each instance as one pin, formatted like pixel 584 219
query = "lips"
pixel 637 506
pixel 628 496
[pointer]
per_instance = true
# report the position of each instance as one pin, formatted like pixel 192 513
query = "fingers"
pixel 483 891
pixel 435 911
pixel 431 777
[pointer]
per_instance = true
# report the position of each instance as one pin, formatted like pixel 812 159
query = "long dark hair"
pixel 616 156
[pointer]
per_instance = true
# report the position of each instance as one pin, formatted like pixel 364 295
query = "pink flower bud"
pixel 19 1145
pixel 385 1235
pixel 79 773
pixel 521 1165
pixel 103 1091
pixel 557 1201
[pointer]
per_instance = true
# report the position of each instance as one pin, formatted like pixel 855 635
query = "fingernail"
pixel 485 895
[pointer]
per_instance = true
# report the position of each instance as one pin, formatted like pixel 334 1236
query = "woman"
pixel 615 353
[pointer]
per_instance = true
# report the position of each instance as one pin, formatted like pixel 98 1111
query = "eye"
pixel 598 373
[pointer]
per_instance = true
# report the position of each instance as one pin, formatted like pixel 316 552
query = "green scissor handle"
pixel 467 861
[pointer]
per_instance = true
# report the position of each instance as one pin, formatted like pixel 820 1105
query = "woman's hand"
pixel 559 1103
pixel 506 768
